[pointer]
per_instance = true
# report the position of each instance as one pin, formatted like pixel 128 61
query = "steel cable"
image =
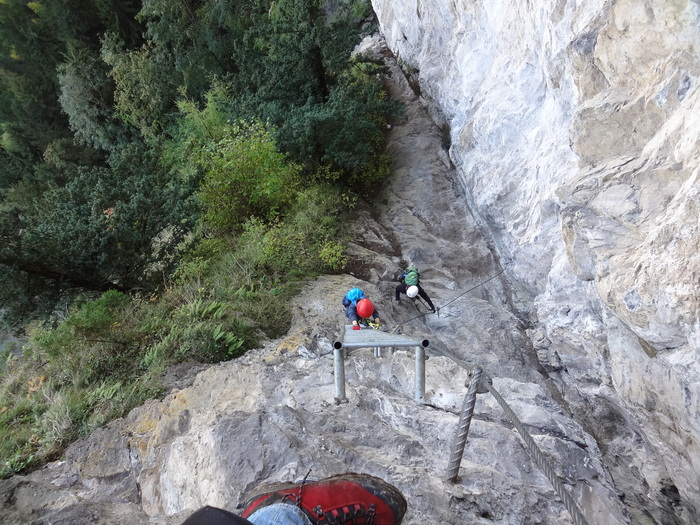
pixel 539 458
pixel 437 308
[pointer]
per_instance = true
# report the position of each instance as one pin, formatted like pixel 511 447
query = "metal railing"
pixel 351 339
pixel 481 383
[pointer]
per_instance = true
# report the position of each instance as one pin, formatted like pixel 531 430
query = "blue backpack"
pixel 353 295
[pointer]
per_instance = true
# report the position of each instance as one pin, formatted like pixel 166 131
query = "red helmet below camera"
pixel 365 308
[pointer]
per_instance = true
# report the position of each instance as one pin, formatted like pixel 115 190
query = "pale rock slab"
pixel 574 132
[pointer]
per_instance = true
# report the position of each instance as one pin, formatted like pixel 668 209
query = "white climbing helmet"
pixel 412 291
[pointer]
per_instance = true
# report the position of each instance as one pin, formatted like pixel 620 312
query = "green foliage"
pixel 242 277
pixel 86 348
pixel 6 349
pixel 70 379
pixel 20 301
pixel 305 242
pixel 349 130
pixel 75 217
pixel 195 128
pixel 107 354
pixel 59 422
pixel 34 39
pixel 360 137
pixel 157 152
pixel 118 225
pixel 297 75
pixel 201 37
pixel 245 177
pixel 332 255
pixel 87 97
pixel 200 330
pixel 95 318
pixel 146 87
pixel 30 50
pixel 17 447
pixel 208 124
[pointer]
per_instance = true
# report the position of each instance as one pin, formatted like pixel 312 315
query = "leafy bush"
pixel 200 330
pixel 245 176
pixel 146 85
pixel 347 132
pixel 121 224
pixel 332 255
pixel 95 318
pixel 96 341
pixel 70 379
pixel 306 241
pixel 87 98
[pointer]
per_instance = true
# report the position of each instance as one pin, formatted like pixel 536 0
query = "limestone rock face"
pixel 574 131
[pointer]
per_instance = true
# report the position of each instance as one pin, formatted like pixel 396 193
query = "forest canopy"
pixel 114 113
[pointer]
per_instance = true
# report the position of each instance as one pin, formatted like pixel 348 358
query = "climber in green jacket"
pixel 410 285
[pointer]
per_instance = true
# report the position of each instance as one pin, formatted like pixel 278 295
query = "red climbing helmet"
pixel 365 308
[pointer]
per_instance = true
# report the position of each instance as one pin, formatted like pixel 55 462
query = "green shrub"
pixel 347 133
pixel 95 318
pixel 60 422
pixel 306 241
pixel 69 380
pixel 203 330
pixel 95 341
pixel 332 255
pixel 245 177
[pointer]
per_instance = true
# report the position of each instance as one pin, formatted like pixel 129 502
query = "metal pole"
pixel 464 422
pixel 339 367
pixel 420 374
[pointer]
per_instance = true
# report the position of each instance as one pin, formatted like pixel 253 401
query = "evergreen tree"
pixel 37 148
pixel 34 39
pixel 111 226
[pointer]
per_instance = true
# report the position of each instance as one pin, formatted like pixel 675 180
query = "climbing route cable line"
pixel 438 308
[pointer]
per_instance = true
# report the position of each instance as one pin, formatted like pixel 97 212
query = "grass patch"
pixel 107 356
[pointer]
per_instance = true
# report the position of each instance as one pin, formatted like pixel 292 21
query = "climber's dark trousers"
pixel 401 288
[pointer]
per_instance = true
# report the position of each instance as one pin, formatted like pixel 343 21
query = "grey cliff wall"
pixel 574 130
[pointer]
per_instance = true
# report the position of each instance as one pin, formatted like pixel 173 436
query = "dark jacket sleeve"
pixel 351 312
